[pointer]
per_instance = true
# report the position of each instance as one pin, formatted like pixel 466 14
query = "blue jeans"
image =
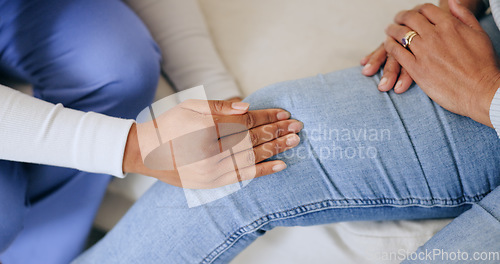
pixel 364 155
pixel 89 55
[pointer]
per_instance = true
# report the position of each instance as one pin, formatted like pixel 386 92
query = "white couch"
pixel 266 41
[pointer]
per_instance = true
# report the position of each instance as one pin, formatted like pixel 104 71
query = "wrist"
pixel 132 155
pixel 132 160
pixel 482 98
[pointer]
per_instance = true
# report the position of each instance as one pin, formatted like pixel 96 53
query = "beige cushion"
pixel 268 41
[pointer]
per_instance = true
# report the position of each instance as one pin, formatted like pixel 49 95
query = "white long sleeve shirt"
pixel 35 131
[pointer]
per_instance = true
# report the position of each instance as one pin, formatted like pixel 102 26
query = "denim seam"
pixel 489 212
pixel 332 204
pixel 447 134
pixel 408 136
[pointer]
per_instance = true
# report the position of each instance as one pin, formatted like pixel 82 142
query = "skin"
pixel 452 59
pixel 453 62
pixel 395 77
pixel 271 132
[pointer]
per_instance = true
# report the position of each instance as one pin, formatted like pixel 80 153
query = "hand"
pixel 203 142
pixel 394 76
pixel 452 59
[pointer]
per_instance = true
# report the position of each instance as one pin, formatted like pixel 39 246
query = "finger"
pixel 260 153
pixel 404 82
pixel 364 60
pixel 252 119
pixel 414 20
pixel 391 73
pixel 375 61
pixel 434 14
pixel 263 134
pixel 250 172
pixel 262 169
pixel 398 32
pixel 464 14
pixel 216 107
pixel 404 57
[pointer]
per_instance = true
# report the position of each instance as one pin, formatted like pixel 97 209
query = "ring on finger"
pixel 406 40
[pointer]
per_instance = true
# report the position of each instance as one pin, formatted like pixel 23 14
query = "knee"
pixel 126 70
pixel 111 76
pixel 129 86
pixel 99 63
pixel 126 84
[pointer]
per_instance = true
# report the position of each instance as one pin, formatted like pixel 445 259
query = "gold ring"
pixel 408 38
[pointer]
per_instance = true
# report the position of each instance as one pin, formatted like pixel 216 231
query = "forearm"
pixel 482 102
pixel 35 131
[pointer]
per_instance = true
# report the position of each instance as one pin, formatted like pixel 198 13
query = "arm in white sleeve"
pixel 495 112
pixel 189 55
pixel 35 131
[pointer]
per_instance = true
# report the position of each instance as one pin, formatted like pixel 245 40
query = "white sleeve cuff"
pixel 495 112
pixel 102 145
pixel 35 131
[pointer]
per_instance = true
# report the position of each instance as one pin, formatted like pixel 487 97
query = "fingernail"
pixel 283 115
pixel 295 127
pixel 399 86
pixel 240 105
pixel 458 2
pixel 383 82
pixel 292 140
pixel 279 167
pixel 366 68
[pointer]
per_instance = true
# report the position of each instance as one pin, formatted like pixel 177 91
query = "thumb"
pixel 463 14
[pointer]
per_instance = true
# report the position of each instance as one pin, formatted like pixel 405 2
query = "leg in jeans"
pixel 88 55
pixel 364 155
pixel 470 238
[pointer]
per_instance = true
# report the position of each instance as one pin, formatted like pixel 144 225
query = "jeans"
pixel 88 55
pixel 364 155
